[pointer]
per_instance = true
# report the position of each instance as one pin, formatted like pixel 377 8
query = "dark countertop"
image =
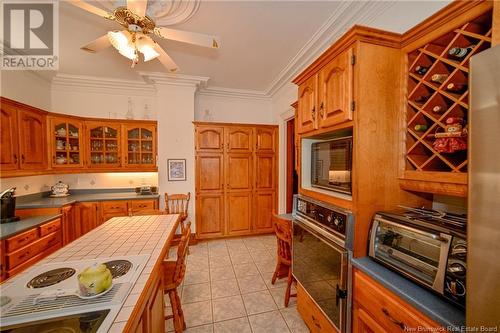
pixel 26 223
pixel 42 200
pixel 422 299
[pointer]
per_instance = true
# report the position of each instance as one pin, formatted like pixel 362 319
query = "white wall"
pixel 26 87
pixel 229 109
pixel 117 180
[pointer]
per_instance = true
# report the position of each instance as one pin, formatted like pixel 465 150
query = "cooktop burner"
pixel 118 267
pixel 51 277
pixel 429 215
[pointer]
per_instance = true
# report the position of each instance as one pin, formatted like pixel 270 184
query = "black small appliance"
pixel 8 202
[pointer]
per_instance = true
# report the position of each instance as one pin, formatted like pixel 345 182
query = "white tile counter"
pixel 121 236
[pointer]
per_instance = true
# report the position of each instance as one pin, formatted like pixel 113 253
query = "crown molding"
pixel 69 82
pixel 175 79
pixel 234 93
pixel 349 13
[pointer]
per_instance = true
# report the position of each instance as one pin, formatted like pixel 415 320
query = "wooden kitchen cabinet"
pixel 142 205
pixel 307 112
pixel 87 216
pixel 32 139
pixel 235 179
pixel 139 146
pixel 335 90
pixel 103 144
pixel 70 229
pixel 9 154
pixel 114 208
pixel 66 142
pixel 376 309
pixel 314 318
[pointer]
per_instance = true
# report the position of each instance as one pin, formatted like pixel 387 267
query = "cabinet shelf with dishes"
pixel 140 146
pixel 65 143
pixel 437 107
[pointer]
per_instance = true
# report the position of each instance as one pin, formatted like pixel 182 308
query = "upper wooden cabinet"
pixel 9 154
pixel 210 173
pixel 239 139
pixel 335 84
pixel 139 146
pixel 65 142
pixel 265 140
pixel 209 138
pixel 103 146
pixel 307 112
pixel 32 139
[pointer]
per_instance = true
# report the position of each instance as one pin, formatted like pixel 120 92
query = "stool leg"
pixel 172 294
pixel 288 287
pixel 182 322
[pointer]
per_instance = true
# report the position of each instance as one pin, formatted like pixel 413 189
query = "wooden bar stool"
pixel 178 204
pixel 283 231
pixel 173 275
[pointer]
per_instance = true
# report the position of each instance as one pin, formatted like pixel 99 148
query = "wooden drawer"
pixel 312 315
pixel 21 255
pixel 138 205
pixel 21 240
pixel 33 260
pixel 388 310
pixel 48 241
pixel 114 207
pixel 50 227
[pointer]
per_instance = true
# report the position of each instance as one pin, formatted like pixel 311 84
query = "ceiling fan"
pixel 135 40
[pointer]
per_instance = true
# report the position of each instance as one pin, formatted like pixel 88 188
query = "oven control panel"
pixel 325 217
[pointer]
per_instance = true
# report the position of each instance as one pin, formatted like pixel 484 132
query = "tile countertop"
pixel 423 300
pixel 42 200
pixel 120 236
pixel 26 223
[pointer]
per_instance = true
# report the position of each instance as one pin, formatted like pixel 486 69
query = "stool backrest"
pixel 283 231
pixel 182 249
pixel 177 203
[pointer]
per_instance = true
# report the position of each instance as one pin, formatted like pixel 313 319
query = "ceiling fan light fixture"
pixel 146 46
pixel 121 42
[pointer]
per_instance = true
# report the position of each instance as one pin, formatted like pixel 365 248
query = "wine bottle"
pixel 460 53
pixel 421 70
pixel 456 88
pixel 439 109
pixel 422 98
pixel 420 128
pixel 439 78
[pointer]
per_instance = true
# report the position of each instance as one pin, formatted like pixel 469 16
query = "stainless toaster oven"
pixel 427 247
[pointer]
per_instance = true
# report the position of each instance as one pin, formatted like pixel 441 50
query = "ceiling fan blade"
pixel 97 45
pixel 188 37
pixel 165 59
pixel 137 7
pixel 92 9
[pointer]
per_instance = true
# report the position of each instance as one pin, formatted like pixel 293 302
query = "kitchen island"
pixel 142 309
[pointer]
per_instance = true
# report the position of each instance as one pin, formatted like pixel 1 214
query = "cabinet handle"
pixel 395 321
pixel 315 322
pixel 27 253
pixel 23 239
pixel 321 110
pixel 22 158
pixel 313 113
pixel 15 158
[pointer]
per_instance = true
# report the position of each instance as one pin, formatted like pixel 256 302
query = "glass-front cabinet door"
pixel 140 143
pixel 103 144
pixel 66 142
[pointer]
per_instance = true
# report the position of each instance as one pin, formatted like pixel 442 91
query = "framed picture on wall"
pixel 176 169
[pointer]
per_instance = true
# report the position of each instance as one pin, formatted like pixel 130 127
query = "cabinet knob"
pixel 22 158
pixel 15 158
pixel 313 113
pixel 321 110
pixel 393 320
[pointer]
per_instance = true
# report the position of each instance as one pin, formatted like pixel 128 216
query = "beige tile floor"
pixel 227 288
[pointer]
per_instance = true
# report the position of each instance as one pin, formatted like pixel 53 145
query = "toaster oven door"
pixel 420 255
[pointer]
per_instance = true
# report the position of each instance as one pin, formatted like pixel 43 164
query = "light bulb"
pixel 145 46
pixel 121 41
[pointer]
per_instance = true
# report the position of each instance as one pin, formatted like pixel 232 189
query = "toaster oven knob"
pixel 456 288
pixel 459 250
pixel 457 268
pixel 338 222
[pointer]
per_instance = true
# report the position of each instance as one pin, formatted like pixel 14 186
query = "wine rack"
pixel 430 103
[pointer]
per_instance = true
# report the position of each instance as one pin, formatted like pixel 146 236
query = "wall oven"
pixel 320 260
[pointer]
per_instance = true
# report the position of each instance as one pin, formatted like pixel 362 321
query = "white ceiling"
pixel 259 39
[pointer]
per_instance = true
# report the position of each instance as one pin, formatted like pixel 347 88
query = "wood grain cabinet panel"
pixel 264 208
pixel 209 215
pixel 68 225
pixel 335 90
pixel 210 172
pixel 18 241
pixel 239 172
pixel 239 213
pixel 364 323
pixel 239 139
pixel 32 139
pixel 265 172
pixel 9 154
pixel 139 205
pixel 307 110
pixel 209 138
pixel 265 140
pixel 87 217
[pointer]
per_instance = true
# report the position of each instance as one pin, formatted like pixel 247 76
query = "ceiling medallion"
pixel 163 12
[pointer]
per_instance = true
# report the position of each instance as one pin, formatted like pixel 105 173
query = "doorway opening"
pixel 292 185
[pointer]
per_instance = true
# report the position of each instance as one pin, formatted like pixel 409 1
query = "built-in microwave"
pixel 331 165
